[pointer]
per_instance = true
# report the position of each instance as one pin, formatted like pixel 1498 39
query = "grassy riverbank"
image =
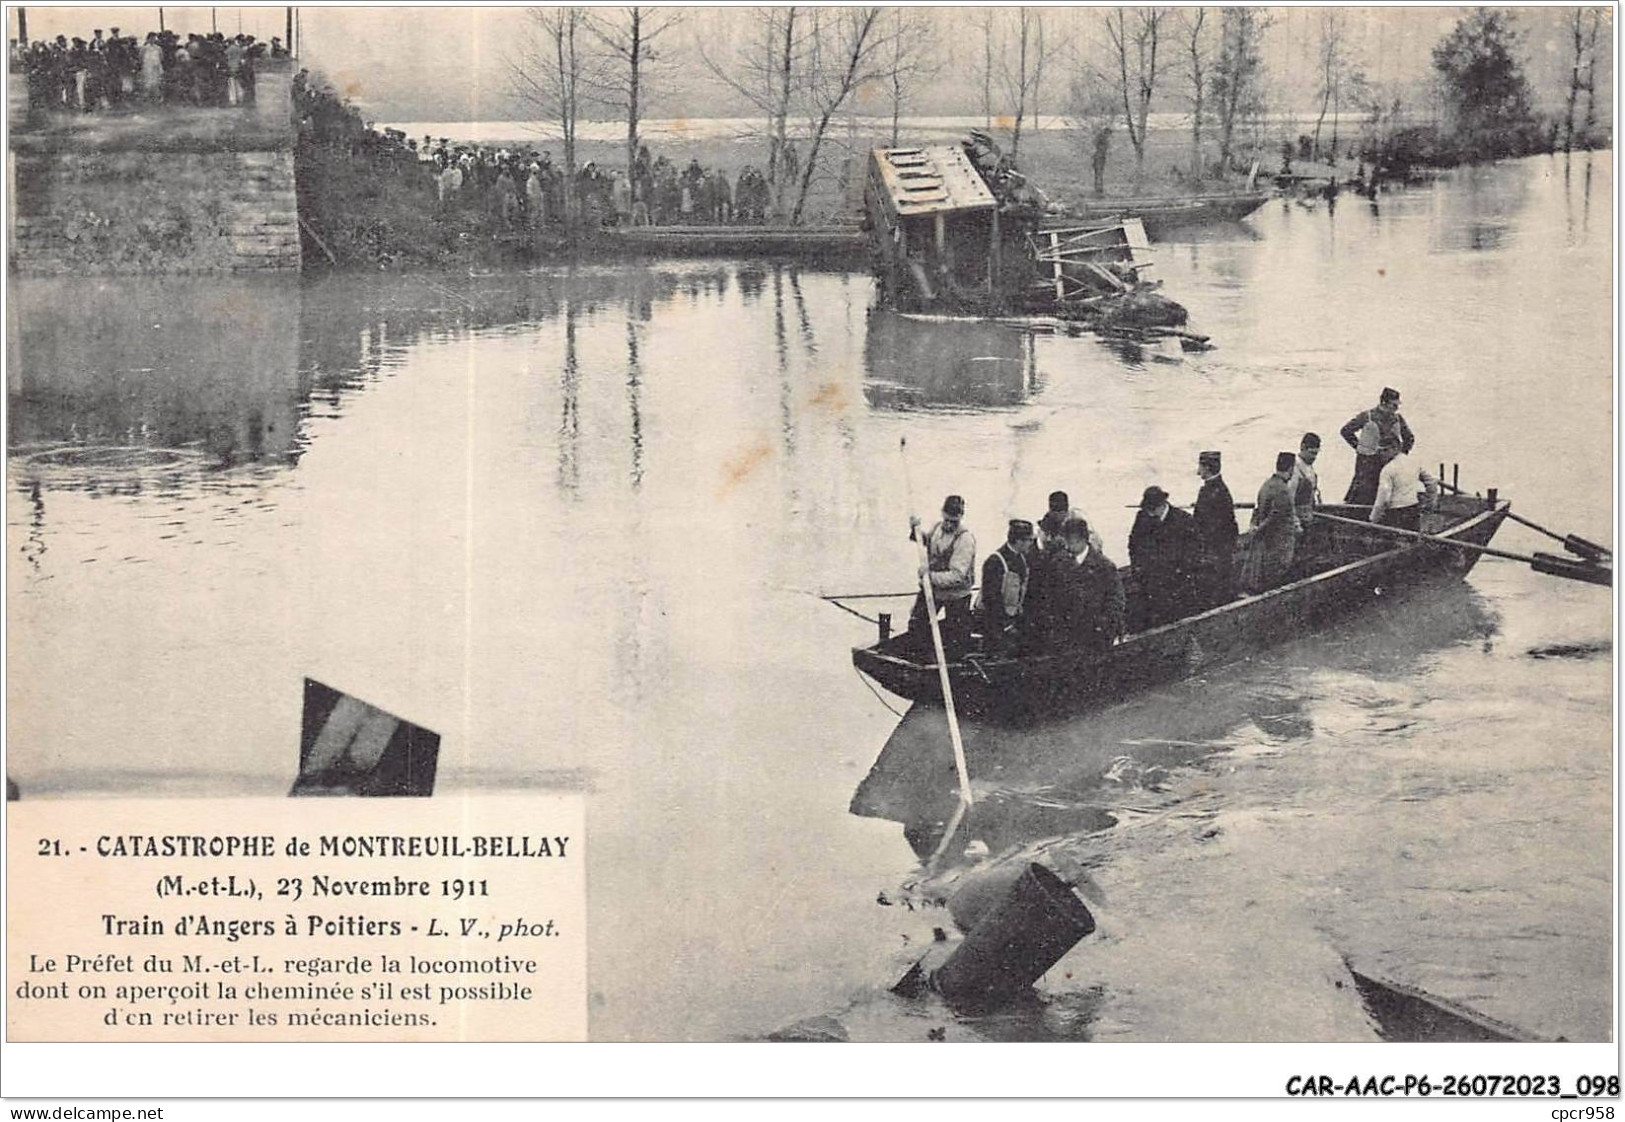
pixel 372 210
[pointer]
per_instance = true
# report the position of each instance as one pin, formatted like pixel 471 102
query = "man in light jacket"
pixel 950 550
pixel 1397 501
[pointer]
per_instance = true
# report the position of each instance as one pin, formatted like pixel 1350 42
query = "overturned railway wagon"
pixel 947 240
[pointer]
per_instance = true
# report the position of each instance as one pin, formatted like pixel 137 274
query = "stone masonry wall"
pixel 161 192
pixel 154 212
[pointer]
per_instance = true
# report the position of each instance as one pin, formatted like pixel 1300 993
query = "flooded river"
pixel 574 521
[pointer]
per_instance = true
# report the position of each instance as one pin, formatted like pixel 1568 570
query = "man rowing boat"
pixel 950 550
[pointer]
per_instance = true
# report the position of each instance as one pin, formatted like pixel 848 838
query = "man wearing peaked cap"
pixel 1162 552
pixel 1377 436
pixel 1216 530
pixel 1274 530
pixel 950 550
pixel 1005 580
pixel 1305 481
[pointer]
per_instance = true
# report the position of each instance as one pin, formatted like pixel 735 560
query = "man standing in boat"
pixel 1048 564
pixel 950 550
pixel 1089 593
pixel 1051 540
pixel 1005 580
pixel 1162 550
pixel 1305 482
pixel 1397 501
pixel 1376 435
pixel 1274 531
pixel 1216 532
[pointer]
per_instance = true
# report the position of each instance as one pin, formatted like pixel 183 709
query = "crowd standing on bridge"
pixel 1051 587
pixel 115 70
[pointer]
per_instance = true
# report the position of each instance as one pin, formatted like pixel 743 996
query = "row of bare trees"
pixel 1215 56
pixel 807 64
pixel 574 59
pixel 801 68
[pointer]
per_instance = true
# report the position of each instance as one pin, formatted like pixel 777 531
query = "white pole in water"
pixel 965 797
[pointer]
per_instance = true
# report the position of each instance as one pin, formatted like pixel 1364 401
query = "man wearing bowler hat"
pixel 1162 552
pixel 1377 436
pixel 950 550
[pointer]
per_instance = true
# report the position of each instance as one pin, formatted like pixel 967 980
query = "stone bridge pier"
pixel 155 189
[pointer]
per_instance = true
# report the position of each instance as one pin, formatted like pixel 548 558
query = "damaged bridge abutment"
pixel 156 190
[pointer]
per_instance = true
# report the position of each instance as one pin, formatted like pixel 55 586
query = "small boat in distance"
pixel 1343 565
pixel 1159 215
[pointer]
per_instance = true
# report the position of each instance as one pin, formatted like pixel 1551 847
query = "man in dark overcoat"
pixel 1163 553
pixel 1215 522
pixel 1088 593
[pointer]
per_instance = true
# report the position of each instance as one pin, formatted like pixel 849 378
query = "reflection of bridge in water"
pixel 123 377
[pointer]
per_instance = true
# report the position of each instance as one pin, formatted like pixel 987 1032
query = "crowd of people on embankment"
pixel 525 187
pixel 115 70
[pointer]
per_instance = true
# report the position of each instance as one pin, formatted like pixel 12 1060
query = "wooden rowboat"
pixel 1341 568
pixel 1161 214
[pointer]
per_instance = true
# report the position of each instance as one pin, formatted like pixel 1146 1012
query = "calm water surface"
pixel 573 520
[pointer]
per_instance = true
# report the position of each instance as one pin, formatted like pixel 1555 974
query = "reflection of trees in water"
pixel 570 416
pixel 781 346
pixel 1575 236
pixel 808 342
pixel 34 548
pixel 752 282
pixel 634 390
pixel 235 369
pixel 1478 215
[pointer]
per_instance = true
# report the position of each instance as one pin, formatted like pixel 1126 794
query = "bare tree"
pixel 847 49
pixel 910 55
pixel 1335 71
pixel 987 21
pixel 1021 70
pixel 1582 74
pixel 1237 73
pixel 1196 66
pixel 551 74
pixel 767 71
pixel 628 38
pixel 1591 77
pixel 1134 45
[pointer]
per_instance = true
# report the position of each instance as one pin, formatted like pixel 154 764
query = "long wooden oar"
pixel 1548 563
pixel 1574 543
pixel 966 799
